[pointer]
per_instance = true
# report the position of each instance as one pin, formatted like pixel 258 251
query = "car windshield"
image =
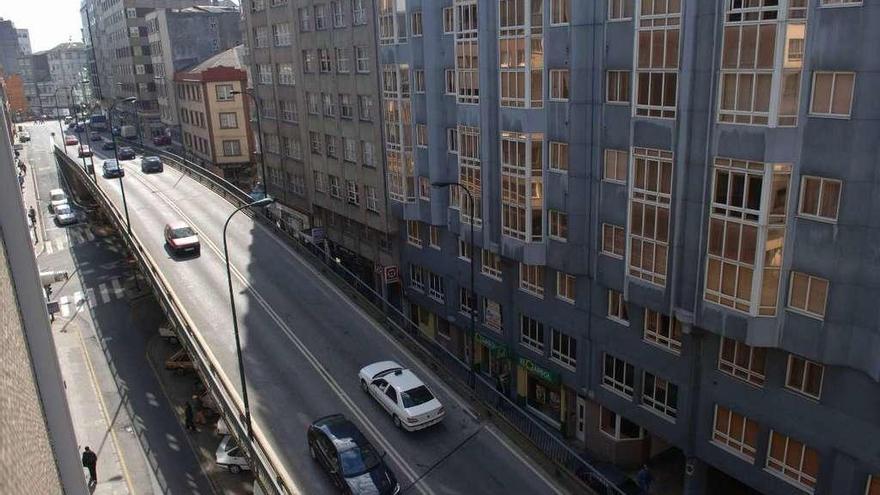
pixel 358 459
pixel 58 196
pixel 62 209
pixel 416 396
pixel 151 159
pixel 111 164
pixel 182 232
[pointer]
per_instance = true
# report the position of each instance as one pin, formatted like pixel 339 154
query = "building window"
pixel 231 147
pixel 617 427
pixel 421 135
pixel 329 105
pixel 419 81
pixel 261 37
pixel 531 333
pixel 492 315
pixel 613 240
pixel 436 287
pixel 417 278
pixel 660 395
pixel 557 225
pixel 343 64
pixel 565 287
pixel 368 155
pixel 449 75
pixel 330 144
pixel 620 10
pixel 820 198
pixel 563 348
pixel 285 74
pixel 362 60
pixel 650 196
pixel 338 14
pixel 742 361
pixel 617 307
pixel 334 186
pixel 349 149
pixel 424 189
pixel 288 110
pixel 522 180
pixel 305 19
pixel 324 60
pixel 808 294
pixel 365 107
pixel 873 487
pixel 804 376
pixel 735 433
pixel 832 94
pixel 416 23
pixel 793 461
pixel 228 120
pixel 312 102
pixel 617 86
pixel 452 140
pixel 559 85
pixel 521 53
pixel 467 52
pixel 618 375
pixel 354 195
pixel 465 301
pixel 265 73
pixel 558 156
pixel 358 13
pixel 470 176
pixel 320 17
pixel 281 34
pixel 413 234
pixel 448 20
pixel 464 250
pixel 308 61
pixel 491 266
pixel 657 59
pixel 372 199
pixel 434 236
pixel 224 92
pixel 662 330
pixel 320 181
pixel 746 235
pixel 560 12
pixel 531 279
pixel 615 166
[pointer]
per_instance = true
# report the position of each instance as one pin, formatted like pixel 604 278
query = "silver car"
pixel 64 215
pixel 230 456
pixel 57 197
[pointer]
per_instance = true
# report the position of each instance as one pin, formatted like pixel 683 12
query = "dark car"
pixel 94 136
pixel 125 153
pixel 115 130
pixel 162 140
pixel 349 458
pixel 112 169
pixel 108 144
pixel 151 164
pixel 80 128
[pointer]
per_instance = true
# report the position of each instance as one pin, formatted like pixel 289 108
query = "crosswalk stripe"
pixel 89 235
pixel 73 234
pixel 90 296
pixel 62 305
pixel 105 292
pixel 59 244
pixel 117 287
pixel 48 247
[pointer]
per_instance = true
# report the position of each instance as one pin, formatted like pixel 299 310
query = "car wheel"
pixel 397 422
pixel 234 468
pixel 364 385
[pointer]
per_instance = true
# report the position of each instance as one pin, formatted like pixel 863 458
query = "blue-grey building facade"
pixel 674 213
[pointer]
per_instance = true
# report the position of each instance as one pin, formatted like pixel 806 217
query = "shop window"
pixel 617 427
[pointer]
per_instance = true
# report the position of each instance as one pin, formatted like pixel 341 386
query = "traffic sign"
pixel 392 274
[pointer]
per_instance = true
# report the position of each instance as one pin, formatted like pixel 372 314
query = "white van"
pixel 57 197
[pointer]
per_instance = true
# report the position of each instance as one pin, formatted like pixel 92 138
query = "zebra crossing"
pixel 75 236
pixel 104 293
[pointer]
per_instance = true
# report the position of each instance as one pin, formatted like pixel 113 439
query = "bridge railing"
pixel 265 464
pixel 396 322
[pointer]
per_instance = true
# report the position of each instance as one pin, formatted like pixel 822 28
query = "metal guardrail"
pixel 265 464
pixel 398 324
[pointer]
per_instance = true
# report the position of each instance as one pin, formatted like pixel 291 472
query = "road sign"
pixel 392 274
pixel 317 234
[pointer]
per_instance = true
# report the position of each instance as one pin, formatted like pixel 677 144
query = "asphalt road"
pixel 304 343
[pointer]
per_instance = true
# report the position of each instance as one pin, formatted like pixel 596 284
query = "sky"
pixel 49 22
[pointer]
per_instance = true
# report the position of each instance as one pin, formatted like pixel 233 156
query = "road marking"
pixel 89 235
pixel 90 297
pixel 63 306
pixel 59 244
pixel 105 292
pixel 117 288
pixel 48 246
pixel 533 469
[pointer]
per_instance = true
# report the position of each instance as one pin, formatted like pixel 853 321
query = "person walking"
pixel 645 479
pixel 188 415
pixel 32 214
pixel 90 461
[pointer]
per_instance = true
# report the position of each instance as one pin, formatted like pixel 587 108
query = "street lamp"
pixel 473 298
pixel 60 125
pixel 259 139
pixel 247 409
pixel 130 99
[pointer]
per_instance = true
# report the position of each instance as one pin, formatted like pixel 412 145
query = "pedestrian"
pixel 645 479
pixel 188 415
pixel 22 167
pixel 90 460
pixel 32 214
pixel 21 181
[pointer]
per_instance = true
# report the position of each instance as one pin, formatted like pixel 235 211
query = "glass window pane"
pixel 843 86
pixel 830 197
pixel 822 93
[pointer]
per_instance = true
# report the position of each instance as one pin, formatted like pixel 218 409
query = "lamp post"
pixel 473 298
pixel 60 125
pixel 247 409
pixel 130 99
pixel 259 139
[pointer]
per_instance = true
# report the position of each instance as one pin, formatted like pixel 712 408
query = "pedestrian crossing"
pixel 75 236
pixel 92 297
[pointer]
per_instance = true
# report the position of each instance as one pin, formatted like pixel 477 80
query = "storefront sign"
pixel 392 274
pixel 497 350
pixel 534 369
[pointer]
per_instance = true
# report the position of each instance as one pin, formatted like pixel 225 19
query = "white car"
pixel 230 456
pixel 64 215
pixel 407 399
pixel 57 197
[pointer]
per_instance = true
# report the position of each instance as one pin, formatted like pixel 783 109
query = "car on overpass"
pixel 85 150
pixel 94 136
pixel 402 394
pixel 125 153
pixel 64 215
pixel 351 461
pixel 162 140
pixel 112 169
pixel 108 144
pixel 181 238
pixel 70 141
pixel 151 164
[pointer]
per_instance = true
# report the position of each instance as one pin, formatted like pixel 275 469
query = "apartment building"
pixel 182 38
pixel 214 122
pixel 671 201
pixel 316 80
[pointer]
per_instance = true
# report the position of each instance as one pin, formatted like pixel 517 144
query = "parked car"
pixel 407 399
pixel 112 169
pixel 351 461
pixel 94 136
pixel 85 150
pixel 64 215
pixel 108 144
pixel 57 197
pixel 162 140
pixel 24 137
pixel 71 140
pixel 151 164
pixel 230 456
pixel 125 153
pixel 181 238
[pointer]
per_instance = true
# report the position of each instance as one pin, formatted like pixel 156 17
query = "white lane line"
pixel 87 232
pixel 118 291
pixel 105 292
pixel 48 246
pixel 75 237
pixel 90 297
pixel 59 244
pixel 63 306
pixel 514 450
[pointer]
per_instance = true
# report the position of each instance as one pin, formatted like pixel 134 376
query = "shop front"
pixel 541 390
pixel 492 359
